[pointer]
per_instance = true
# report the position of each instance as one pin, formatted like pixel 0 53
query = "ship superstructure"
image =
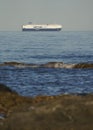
pixel 41 27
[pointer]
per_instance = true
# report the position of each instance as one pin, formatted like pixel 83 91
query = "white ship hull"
pixel 42 27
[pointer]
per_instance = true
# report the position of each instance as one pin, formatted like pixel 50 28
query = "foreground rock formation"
pixel 63 112
pixel 49 65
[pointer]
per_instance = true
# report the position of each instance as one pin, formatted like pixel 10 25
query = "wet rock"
pixel 19 64
pixel 53 65
pixel 83 65
pixel 49 65
pixel 2 116
pixel 57 65
pixel 60 112
pixel 16 64
pixel 68 66
pixel 13 63
pixel 4 88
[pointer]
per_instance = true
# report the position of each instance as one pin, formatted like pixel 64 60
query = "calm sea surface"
pixel 43 47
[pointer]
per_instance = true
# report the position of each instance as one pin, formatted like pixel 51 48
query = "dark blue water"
pixel 43 47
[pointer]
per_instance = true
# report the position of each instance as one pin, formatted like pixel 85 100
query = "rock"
pixel 83 65
pixel 53 65
pixel 4 88
pixel 49 65
pixel 60 112
pixel 19 64
pixel 2 116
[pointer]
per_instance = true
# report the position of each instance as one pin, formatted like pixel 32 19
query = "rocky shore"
pixel 62 112
pixel 49 65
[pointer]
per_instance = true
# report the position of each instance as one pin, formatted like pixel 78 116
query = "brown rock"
pixel 4 88
pixel 83 65
pixel 63 112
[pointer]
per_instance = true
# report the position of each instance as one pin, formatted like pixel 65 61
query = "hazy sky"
pixel 72 14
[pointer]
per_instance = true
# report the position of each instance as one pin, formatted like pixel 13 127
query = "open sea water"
pixel 43 47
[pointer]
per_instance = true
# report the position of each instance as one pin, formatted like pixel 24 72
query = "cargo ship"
pixel 41 27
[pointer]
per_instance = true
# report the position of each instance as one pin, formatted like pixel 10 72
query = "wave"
pixel 48 65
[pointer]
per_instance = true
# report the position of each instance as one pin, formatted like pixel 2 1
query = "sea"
pixel 41 48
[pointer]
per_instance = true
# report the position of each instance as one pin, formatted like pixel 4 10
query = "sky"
pixel 73 15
